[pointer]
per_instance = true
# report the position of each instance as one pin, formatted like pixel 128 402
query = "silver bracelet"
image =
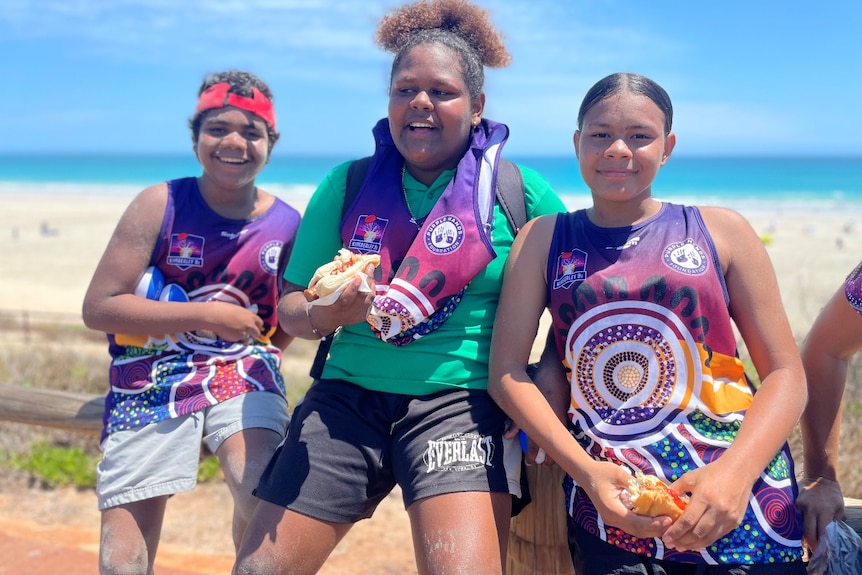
pixel 311 323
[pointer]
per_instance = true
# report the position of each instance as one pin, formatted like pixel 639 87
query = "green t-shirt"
pixel 454 355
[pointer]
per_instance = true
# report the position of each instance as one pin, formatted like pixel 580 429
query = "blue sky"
pixel 746 78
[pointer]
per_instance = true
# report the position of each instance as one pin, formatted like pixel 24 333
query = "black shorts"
pixel 347 447
pixel 593 556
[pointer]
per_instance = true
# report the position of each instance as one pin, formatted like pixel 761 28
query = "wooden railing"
pixel 51 408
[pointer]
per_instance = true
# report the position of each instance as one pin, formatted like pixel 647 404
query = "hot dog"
pixel 332 275
pixel 648 495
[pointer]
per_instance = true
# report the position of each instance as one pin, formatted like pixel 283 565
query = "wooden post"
pixel 538 544
pixel 51 408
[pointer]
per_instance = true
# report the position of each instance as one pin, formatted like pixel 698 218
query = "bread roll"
pixel 648 495
pixel 332 275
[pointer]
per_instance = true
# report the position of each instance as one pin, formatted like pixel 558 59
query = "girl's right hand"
pixel 607 482
pixel 351 307
pixel 354 302
pixel 232 322
pixel 820 500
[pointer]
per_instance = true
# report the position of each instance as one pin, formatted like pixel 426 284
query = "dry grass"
pixel 73 358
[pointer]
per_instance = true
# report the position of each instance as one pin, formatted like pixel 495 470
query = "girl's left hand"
pixel 716 506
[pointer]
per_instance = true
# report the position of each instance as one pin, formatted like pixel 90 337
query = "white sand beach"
pixel 50 245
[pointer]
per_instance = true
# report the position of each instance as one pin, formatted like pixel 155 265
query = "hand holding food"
pixel 332 275
pixel 648 495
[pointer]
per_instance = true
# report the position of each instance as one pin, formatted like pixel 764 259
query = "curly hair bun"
pixel 459 17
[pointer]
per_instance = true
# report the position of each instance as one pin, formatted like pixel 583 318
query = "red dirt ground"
pixel 56 532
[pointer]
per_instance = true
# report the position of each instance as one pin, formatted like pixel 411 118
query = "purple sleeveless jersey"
pixel 641 318
pixel 208 258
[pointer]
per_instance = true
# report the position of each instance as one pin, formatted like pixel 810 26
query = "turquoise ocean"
pixel 771 183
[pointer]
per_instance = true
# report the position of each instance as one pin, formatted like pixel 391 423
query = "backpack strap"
pixel 510 195
pixel 355 176
pixel 510 190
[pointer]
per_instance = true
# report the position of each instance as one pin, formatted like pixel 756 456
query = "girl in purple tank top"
pixel 643 297
pixel 186 292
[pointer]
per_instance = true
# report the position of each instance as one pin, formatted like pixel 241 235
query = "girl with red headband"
pixel 186 292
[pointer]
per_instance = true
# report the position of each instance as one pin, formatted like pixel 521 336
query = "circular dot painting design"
pixel 631 366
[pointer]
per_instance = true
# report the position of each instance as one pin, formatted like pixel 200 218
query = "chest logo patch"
pixel 186 251
pixel 270 253
pixel 444 235
pixel 571 267
pixel 368 234
pixel 686 257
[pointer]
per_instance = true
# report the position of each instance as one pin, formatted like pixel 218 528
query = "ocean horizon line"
pixel 782 182
pixel 298 196
pixel 348 155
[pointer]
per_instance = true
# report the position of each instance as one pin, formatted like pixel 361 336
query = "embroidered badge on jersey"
pixel 444 235
pixel 571 268
pixel 269 256
pixel 368 234
pixel 186 251
pixel 459 452
pixel 686 257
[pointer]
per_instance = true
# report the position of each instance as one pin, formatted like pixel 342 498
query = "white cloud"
pixel 154 24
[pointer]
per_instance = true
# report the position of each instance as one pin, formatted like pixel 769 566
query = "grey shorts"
pixel 162 458
pixel 347 447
